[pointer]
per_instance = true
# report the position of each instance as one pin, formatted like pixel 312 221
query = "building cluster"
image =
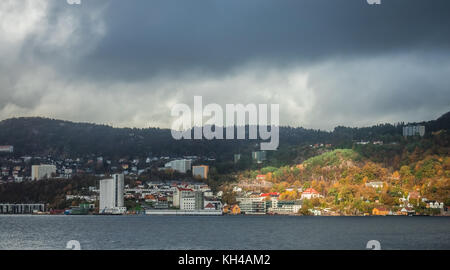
pixel 252 203
pixel 28 168
pixel 15 209
pixel 185 166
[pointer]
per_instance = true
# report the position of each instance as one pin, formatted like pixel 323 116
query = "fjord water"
pixel 223 232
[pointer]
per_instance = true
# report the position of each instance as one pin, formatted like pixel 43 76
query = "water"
pixel 223 232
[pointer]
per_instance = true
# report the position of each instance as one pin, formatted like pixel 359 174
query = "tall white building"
pixel 180 165
pixel 111 195
pixel 39 172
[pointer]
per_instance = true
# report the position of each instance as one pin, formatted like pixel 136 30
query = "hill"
pixel 42 136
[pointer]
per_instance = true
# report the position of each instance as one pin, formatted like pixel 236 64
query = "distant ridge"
pixel 44 136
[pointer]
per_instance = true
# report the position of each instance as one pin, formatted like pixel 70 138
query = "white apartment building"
pixel 39 172
pixel 111 195
pixel 413 131
pixel 179 165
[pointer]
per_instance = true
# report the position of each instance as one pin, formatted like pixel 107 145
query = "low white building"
pixel 309 194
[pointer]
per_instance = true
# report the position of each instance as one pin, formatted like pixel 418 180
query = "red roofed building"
pixel 210 206
pixel 271 194
pixel 310 193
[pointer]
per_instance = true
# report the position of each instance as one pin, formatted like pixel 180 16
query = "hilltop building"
pixel 414 131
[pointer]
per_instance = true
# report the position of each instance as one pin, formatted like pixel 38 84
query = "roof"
pixel 310 191
pixel 269 194
pixel 210 205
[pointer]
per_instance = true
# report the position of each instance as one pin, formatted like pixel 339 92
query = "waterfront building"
pixel 235 210
pixel 7 208
pixel 39 172
pixel 180 193
pixel 380 211
pixel 111 195
pixel 252 205
pixel 283 207
pixel 200 171
pixel 191 200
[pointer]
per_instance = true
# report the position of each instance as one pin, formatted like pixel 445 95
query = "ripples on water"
pixel 223 232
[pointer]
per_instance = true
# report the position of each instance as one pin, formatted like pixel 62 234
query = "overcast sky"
pixel 125 63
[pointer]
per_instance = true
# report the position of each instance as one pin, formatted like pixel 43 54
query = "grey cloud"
pixel 326 62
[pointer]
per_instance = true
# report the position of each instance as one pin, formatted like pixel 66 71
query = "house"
pixel 413 195
pixel 380 212
pixel 375 184
pixel 435 205
pixel 310 193
pixel 235 210
pixel 210 206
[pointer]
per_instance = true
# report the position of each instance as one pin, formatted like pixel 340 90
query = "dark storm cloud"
pixel 147 37
pixel 326 62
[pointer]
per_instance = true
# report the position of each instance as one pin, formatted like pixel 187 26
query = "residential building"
pixel 252 205
pixel 413 131
pixel 283 207
pixel 21 208
pixel 200 171
pixel 111 195
pixel 235 210
pixel 210 206
pixel 179 165
pixel 309 194
pixel 39 172
pixel 179 193
pixel 377 184
pixel 6 149
pixel 380 211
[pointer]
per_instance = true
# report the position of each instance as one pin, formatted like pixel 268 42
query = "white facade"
pixel 6 148
pixel 414 131
pixel 180 165
pixel 187 203
pixel 111 195
pixel 39 172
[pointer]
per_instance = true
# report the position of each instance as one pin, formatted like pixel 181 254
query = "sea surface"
pixel 223 232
